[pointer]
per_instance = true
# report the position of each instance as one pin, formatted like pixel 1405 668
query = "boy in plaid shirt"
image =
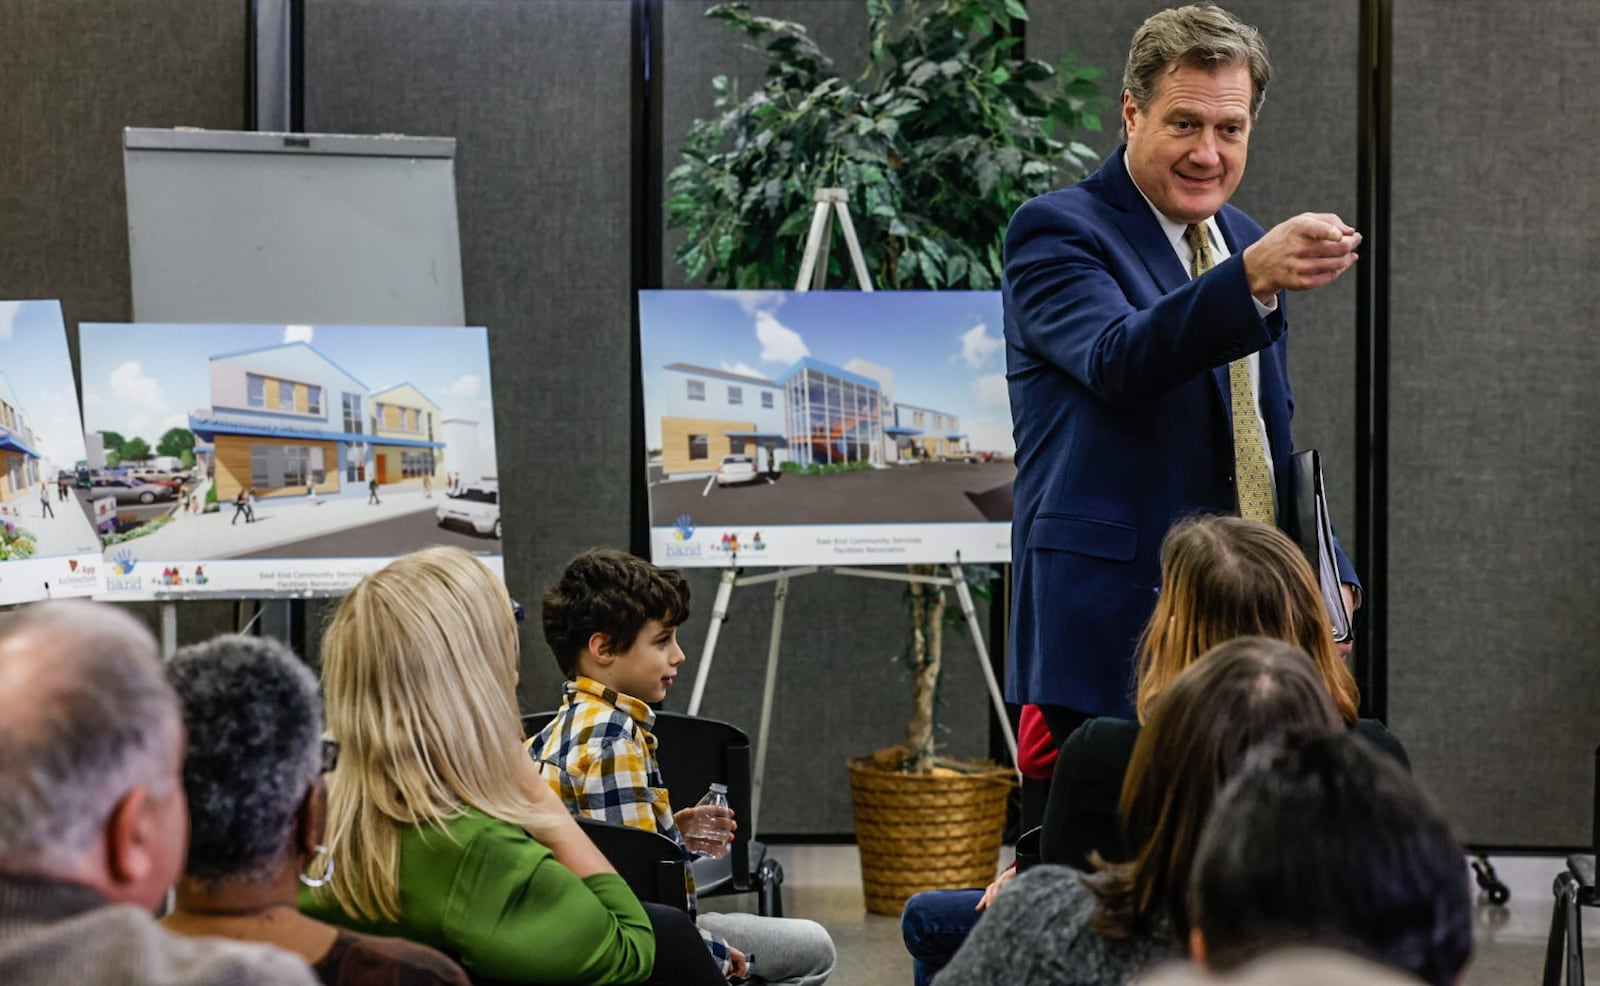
pixel 611 620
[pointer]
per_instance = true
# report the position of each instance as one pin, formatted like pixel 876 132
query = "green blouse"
pixel 498 900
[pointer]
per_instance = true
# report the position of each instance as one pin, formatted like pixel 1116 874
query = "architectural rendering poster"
pixel 254 460
pixel 48 546
pixel 826 427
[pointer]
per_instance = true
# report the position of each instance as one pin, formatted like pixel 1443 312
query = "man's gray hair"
pixel 88 717
pixel 1202 36
pixel 254 719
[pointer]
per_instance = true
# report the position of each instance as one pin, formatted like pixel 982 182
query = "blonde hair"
pixel 419 670
pixel 1224 577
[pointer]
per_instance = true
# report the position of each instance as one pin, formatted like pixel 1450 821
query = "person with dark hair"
pixel 1055 925
pixel 1291 967
pixel 257 805
pixel 1221 577
pixel 611 621
pixel 92 820
pixel 1319 842
pixel 1146 356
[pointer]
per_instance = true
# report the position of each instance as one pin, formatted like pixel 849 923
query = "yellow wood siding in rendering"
pixel 675 434
pixel 7 493
pixel 233 467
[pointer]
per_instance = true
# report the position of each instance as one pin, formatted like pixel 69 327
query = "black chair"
pixel 649 863
pixel 1574 890
pixel 535 721
pixel 694 754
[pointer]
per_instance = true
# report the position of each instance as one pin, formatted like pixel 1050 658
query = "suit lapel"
pixel 1139 226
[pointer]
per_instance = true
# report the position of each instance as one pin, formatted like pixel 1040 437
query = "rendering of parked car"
pixel 736 469
pixel 133 491
pixel 477 507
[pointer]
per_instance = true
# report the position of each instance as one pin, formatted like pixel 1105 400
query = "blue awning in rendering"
pixel 207 429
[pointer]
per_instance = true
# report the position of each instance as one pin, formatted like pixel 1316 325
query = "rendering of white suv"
pixel 477 507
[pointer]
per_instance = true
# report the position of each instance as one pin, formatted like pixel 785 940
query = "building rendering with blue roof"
pixel 19 455
pixel 286 419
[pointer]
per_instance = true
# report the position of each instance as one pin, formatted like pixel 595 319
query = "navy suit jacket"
pixel 1117 365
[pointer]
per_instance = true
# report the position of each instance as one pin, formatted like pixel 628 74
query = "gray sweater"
pixel 55 932
pixel 1037 933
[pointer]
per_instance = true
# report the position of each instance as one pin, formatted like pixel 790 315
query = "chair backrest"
pixel 535 721
pixel 651 864
pixel 695 753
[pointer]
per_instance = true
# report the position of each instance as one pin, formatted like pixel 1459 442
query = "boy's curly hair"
pixel 611 592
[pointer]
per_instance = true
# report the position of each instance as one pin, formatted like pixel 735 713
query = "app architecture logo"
pixel 79 574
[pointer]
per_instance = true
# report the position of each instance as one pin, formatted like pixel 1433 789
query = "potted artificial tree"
pixel 936 143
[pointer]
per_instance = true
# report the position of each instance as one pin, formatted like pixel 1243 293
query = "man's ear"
pixel 134 849
pixel 600 649
pixel 1197 947
pixel 1130 111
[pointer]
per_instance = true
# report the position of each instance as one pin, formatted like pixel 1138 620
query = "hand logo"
pixel 685 526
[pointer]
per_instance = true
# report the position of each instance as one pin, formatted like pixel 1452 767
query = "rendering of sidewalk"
pixel 278 521
pixel 69 532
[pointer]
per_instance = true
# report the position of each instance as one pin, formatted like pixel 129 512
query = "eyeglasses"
pixel 516 610
pixel 330 754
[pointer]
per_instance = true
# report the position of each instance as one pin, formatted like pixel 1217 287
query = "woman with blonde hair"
pixel 440 828
pixel 1221 577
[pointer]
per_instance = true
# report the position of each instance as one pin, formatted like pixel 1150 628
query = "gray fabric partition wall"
pixel 1494 536
pixel 842 690
pixel 1302 159
pixel 74 73
pixel 536 93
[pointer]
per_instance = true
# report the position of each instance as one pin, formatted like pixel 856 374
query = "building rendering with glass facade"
pixel 833 415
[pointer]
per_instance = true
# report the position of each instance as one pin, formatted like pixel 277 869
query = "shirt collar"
pixel 636 710
pixel 1171 227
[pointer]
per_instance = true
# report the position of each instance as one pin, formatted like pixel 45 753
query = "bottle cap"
pixel 720 788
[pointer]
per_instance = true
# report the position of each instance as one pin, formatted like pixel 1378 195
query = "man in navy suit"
pixel 1127 297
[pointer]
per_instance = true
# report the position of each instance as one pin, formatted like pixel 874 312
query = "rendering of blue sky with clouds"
pixel 143 379
pixel 945 348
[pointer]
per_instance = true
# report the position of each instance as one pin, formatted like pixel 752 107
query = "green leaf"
pixel 1016 10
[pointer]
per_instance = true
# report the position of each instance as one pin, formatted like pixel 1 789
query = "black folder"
pixel 1307 522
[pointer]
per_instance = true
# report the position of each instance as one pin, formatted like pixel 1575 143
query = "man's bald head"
pixel 88 717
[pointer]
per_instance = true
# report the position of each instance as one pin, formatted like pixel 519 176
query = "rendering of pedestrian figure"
pixel 44 501
pixel 61 487
pixel 250 505
pixel 241 507
pixel 372 491
pixel 427 486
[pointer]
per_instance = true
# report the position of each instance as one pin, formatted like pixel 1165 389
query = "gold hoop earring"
pixel 326 856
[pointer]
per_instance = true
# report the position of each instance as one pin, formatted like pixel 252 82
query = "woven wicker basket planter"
pixel 922 832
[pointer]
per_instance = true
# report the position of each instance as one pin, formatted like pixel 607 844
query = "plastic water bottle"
pixel 706 835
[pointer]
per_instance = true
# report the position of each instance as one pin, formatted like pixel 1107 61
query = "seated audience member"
pixel 934 923
pixel 1055 925
pixel 611 621
pixel 1293 967
pixel 92 822
pixel 441 829
pixel 1319 842
pixel 1221 577
pixel 253 778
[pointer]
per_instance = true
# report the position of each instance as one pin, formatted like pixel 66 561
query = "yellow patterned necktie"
pixel 1252 477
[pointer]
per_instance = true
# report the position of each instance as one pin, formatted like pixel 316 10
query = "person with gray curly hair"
pixel 92 810
pixel 257 804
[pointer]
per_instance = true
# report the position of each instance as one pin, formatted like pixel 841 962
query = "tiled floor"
pixel 824 883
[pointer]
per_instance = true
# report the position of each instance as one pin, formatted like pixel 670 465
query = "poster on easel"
pixel 826 427
pixel 285 460
pixel 48 547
